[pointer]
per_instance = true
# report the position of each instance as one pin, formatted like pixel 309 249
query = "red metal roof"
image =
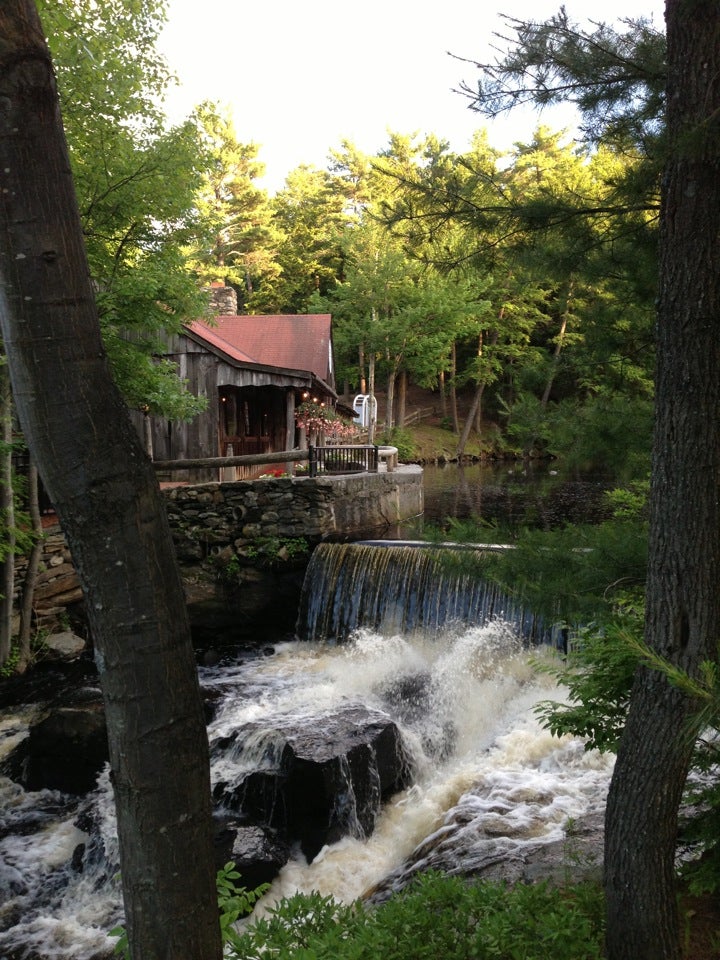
pixel 212 337
pixel 292 341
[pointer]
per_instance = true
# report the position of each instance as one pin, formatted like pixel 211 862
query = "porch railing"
pixel 322 461
pixel 350 458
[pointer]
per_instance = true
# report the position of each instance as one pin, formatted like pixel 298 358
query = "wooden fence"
pixel 350 458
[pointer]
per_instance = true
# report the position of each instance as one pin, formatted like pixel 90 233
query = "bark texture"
pixel 7 514
pixel 103 486
pixel 33 565
pixel 683 591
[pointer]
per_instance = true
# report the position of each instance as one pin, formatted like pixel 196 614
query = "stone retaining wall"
pixel 217 528
pixel 205 518
pixel 57 585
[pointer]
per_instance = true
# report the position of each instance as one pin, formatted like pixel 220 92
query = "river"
pixel 513 494
pixel 490 783
pixel 504 786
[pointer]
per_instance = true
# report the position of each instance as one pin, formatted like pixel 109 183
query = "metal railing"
pixel 322 461
pixel 350 458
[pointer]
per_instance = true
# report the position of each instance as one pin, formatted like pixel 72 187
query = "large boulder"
pixel 66 645
pixel 65 751
pixel 257 852
pixel 317 779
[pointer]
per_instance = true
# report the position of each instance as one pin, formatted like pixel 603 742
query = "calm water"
pixel 512 494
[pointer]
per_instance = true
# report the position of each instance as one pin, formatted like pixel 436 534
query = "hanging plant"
pixel 315 417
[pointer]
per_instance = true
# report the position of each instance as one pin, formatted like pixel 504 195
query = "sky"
pixel 300 76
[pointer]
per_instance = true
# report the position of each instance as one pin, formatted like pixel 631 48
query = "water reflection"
pixel 512 495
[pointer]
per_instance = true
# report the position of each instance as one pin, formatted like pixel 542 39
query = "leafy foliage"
pixel 616 79
pixel 578 574
pixel 403 440
pixel 234 901
pixel 236 242
pixel 309 218
pixel 136 182
pixel 437 916
pixel 604 432
pixel 270 552
pixel 598 674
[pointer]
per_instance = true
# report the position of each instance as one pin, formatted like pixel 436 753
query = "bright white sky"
pixel 302 75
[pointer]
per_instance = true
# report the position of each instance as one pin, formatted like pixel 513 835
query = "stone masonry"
pixel 207 517
pixel 214 523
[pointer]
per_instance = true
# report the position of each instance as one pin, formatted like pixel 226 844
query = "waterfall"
pixel 402 589
pixel 431 650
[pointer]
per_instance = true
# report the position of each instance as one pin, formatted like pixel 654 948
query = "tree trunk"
pixel 103 487
pixel 467 427
pixel 390 401
pixel 7 515
pixel 371 398
pixel 148 434
pixel 361 367
pixel 28 591
pixel 402 398
pixel 453 389
pixel 683 588
pixel 443 398
pixel 545 399
pixel 555 360
pixel 477 401
pixel 478 409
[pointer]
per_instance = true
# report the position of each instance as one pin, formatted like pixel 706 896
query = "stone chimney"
pixel 223 300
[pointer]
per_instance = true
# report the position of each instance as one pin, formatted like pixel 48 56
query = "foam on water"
pixel 50 909
pixel 489 779
pixel 505 782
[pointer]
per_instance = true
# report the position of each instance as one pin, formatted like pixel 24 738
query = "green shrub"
pixel 402 439
pixel 267 552
pixel 234 902
pixel 598 674
pixel 437 916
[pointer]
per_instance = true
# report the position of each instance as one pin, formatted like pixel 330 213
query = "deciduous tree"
pixel 79 432
pixel 135 180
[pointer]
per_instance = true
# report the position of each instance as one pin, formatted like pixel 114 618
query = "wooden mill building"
pixel 254 372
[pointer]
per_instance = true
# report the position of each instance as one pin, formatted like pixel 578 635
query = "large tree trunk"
pixel 104 489
pixel 31 572
pixel 7 515
pixel 683 590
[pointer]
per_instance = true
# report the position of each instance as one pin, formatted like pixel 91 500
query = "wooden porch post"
pixel 290 426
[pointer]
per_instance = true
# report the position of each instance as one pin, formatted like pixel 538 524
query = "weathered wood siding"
pixel 205 373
